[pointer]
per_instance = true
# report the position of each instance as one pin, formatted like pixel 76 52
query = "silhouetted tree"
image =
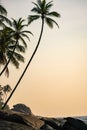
pixel 3 94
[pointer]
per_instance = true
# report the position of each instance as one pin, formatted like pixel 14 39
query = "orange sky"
pixel 55 83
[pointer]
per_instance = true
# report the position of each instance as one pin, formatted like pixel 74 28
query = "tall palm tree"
pixel 18 34
pixel 42 9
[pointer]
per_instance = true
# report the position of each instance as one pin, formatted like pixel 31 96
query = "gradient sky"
pixel 55 84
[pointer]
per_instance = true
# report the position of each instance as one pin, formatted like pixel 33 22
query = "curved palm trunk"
pixel 9 59
pixel 26 65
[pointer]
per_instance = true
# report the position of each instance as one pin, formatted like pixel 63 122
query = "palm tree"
pixel 18 34
pixel 42 9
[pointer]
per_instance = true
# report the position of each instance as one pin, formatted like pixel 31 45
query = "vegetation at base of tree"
pixel 3 95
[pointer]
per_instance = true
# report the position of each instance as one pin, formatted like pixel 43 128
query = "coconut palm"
pixel 42 9
pixel 17 34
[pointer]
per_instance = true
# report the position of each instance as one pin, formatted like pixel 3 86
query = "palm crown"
pixel 6 49
pixel 18 31
pixel 10 41
pixel 42 9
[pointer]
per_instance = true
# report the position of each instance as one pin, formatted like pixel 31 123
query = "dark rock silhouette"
pixel 21 108
pixel 74 124
pixel 21 118
pixel 50 123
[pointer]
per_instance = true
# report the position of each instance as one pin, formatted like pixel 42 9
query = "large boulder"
pixel 51 123
pixel 74 124
pixel 22 108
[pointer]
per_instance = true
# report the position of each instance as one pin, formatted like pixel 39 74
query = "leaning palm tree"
pixel 18 34
pixel 42 9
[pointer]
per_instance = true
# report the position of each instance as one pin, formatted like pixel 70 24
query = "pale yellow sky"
pixel 55 83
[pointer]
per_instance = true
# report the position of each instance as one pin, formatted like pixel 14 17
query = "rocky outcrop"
pixel 63 124
pixel 17 119
pixel 22 108
pixel 23 119
pixel 51 123
pixel 8 125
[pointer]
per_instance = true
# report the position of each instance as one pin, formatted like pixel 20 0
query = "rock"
pixel 21 118
pixel 7 125
pixel 74 124
pixel 13 117
pixel 47 127
pixel 22 108
pixel 50 124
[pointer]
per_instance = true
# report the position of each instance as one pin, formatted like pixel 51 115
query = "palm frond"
pixel 15 62
pixel 2 24
pixel 36 10
pixel 5 19
pixel 39 2
pixel 27 32
pixel 3 59
pixel 18 48
pixel 43 3
pixel 24 35
pixel 7 72
pixel 54 14
pixel 23 41
pixel 50 22
pixel 3 10
pixel 32 18
pixel 21 27
pixel 35 4
pixel 20 21
pixel 49 5
pixel 18 57
pixel 14 24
